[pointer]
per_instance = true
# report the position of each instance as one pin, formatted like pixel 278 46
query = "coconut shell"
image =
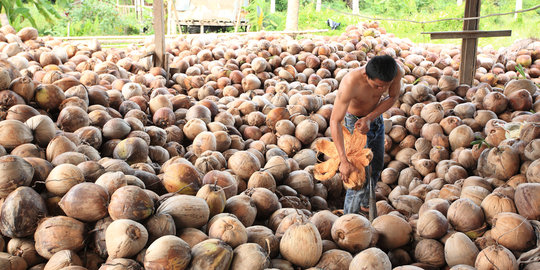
pixel 21 211
pixel 393 231
pixel 167 252
pixel 243 207
pixel 59 233
pixel 371 258
pixel 15 172
pixel 513 231
pixel 496 256
pixel 228 229
pixel 265 200
pixel 159 225
pixel 459 249
pixel 187 211
pixel 211 254
pixel 62 178
pixel 8 261
pixel 14 133
pixel 125 238
pixel 130 202
pixel 181 178
pixel 301 235
pixel 352 232
pixel 63 259
pixel 432 224
pixel 85 201
pixel 25 249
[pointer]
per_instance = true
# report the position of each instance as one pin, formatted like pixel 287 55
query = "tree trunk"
pixel 356 9
pixel 292 15
pixel 272 6
pixel 519 6
pixel 318 7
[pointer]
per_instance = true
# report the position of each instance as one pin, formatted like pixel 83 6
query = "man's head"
pixel 383 68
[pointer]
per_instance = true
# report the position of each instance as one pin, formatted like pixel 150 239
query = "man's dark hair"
pixel 382 67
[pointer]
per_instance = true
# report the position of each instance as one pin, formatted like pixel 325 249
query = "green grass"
pixel 525 26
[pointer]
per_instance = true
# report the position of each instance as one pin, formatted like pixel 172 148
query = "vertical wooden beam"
pixel 160 59
pixel 467 67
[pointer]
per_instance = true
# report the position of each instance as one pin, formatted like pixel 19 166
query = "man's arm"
pixel 339 110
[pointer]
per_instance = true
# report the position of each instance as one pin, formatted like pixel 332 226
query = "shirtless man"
pixel 361 103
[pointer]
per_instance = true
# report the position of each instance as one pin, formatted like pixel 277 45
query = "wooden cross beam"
pixel 469 43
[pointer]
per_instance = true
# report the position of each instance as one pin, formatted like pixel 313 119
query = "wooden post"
pixel 519 6
pixel 318 6
pixel 467 66
pixel 160 58
pixel 469 44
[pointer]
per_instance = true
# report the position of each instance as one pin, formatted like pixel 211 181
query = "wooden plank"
pixel 469 34
pixel 469 46
pixel 159 37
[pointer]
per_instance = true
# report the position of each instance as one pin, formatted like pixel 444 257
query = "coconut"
pixel 497 257
pixel 85 201
pixel 187 211
pixel 324 221
pixel 371 258
pixel 15 172
pixel 223 179
pixel 459 249
pixel 496 203
pixel 125 238
pixel 301 234
pixel 432 224
pixel 262 179
pixel 516 85
pixel 250 256
pixel 62 178
pixel 335 259
pixel 211 254
pixel 498 162
pixel 393 231
pixel 265 238
pixel 214 197
pixel 49 96
pixel 63 259
pixel 526 199
pixel 265 200
pixel 461 136
pixel 465 215
pixel 21 211
pixel 11 262
pixel 352 232
pixel 112 181
pixel 167 252
pixel 243 207
pixel 25 249
pixel 432 112
pixel 243 164
pixel 59 233
pixel 121 263
pixel 513 231
pixel 14 133
pixel 159 225
pixel 130 202
pixel 229 229
pixel 182 178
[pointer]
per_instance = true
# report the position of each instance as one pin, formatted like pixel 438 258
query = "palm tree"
pixel 16 10
pixel 292 15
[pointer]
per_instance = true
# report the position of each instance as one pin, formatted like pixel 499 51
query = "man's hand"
pixel 345 169
pixel 363 125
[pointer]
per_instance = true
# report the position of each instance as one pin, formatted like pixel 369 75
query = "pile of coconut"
pixel 109 163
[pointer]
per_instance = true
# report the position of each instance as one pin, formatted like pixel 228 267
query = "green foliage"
pixel 18 11
pixel 93 17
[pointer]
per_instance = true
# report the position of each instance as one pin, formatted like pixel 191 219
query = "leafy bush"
pixel 96 17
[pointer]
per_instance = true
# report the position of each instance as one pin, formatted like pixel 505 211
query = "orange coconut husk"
pixel 356 152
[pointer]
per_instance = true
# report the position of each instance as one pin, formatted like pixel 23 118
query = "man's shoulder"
pixel 354 75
